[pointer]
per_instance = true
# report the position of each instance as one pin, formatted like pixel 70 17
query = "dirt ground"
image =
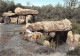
pixel 12 44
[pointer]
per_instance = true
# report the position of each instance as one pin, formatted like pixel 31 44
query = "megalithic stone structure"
pixel 21 15
pixel 27 12
pixel 61 29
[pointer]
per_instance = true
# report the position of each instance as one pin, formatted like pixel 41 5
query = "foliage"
pixel 71 3
pixel 41 39
pixel 52 44
pixel 6 6
pixel 47 12
pixel 76 27
pixel 79 44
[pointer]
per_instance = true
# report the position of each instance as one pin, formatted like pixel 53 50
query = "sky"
pixel 39 2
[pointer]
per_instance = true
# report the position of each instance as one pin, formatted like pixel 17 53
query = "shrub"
pixel 76 28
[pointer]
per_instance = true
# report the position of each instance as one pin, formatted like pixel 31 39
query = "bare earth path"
pixel 12 44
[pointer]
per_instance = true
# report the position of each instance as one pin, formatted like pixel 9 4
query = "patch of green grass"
pixel 41 39
pixel 0 18
pixel 52 44
pixel 79 45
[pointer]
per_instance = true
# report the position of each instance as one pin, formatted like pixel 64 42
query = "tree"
pixel 71 3
pixel 10 6
pixel 28 3
pixel 3 6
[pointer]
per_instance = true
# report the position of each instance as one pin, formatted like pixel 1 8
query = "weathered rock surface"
pixel 46 43
pixel 47 26
pixel 22 11
pixel 76 40
pixel 34 36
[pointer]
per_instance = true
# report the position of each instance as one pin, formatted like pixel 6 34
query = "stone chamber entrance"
pixel 60 37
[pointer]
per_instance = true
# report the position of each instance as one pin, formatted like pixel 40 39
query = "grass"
pixel 41 39
pixel 45 50
pixel 75 52
pixel 0 18
pixel 52 44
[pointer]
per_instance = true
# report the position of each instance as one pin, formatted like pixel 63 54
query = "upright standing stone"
pixel 70 38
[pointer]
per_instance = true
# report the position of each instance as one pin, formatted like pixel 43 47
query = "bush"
pixel 76 28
